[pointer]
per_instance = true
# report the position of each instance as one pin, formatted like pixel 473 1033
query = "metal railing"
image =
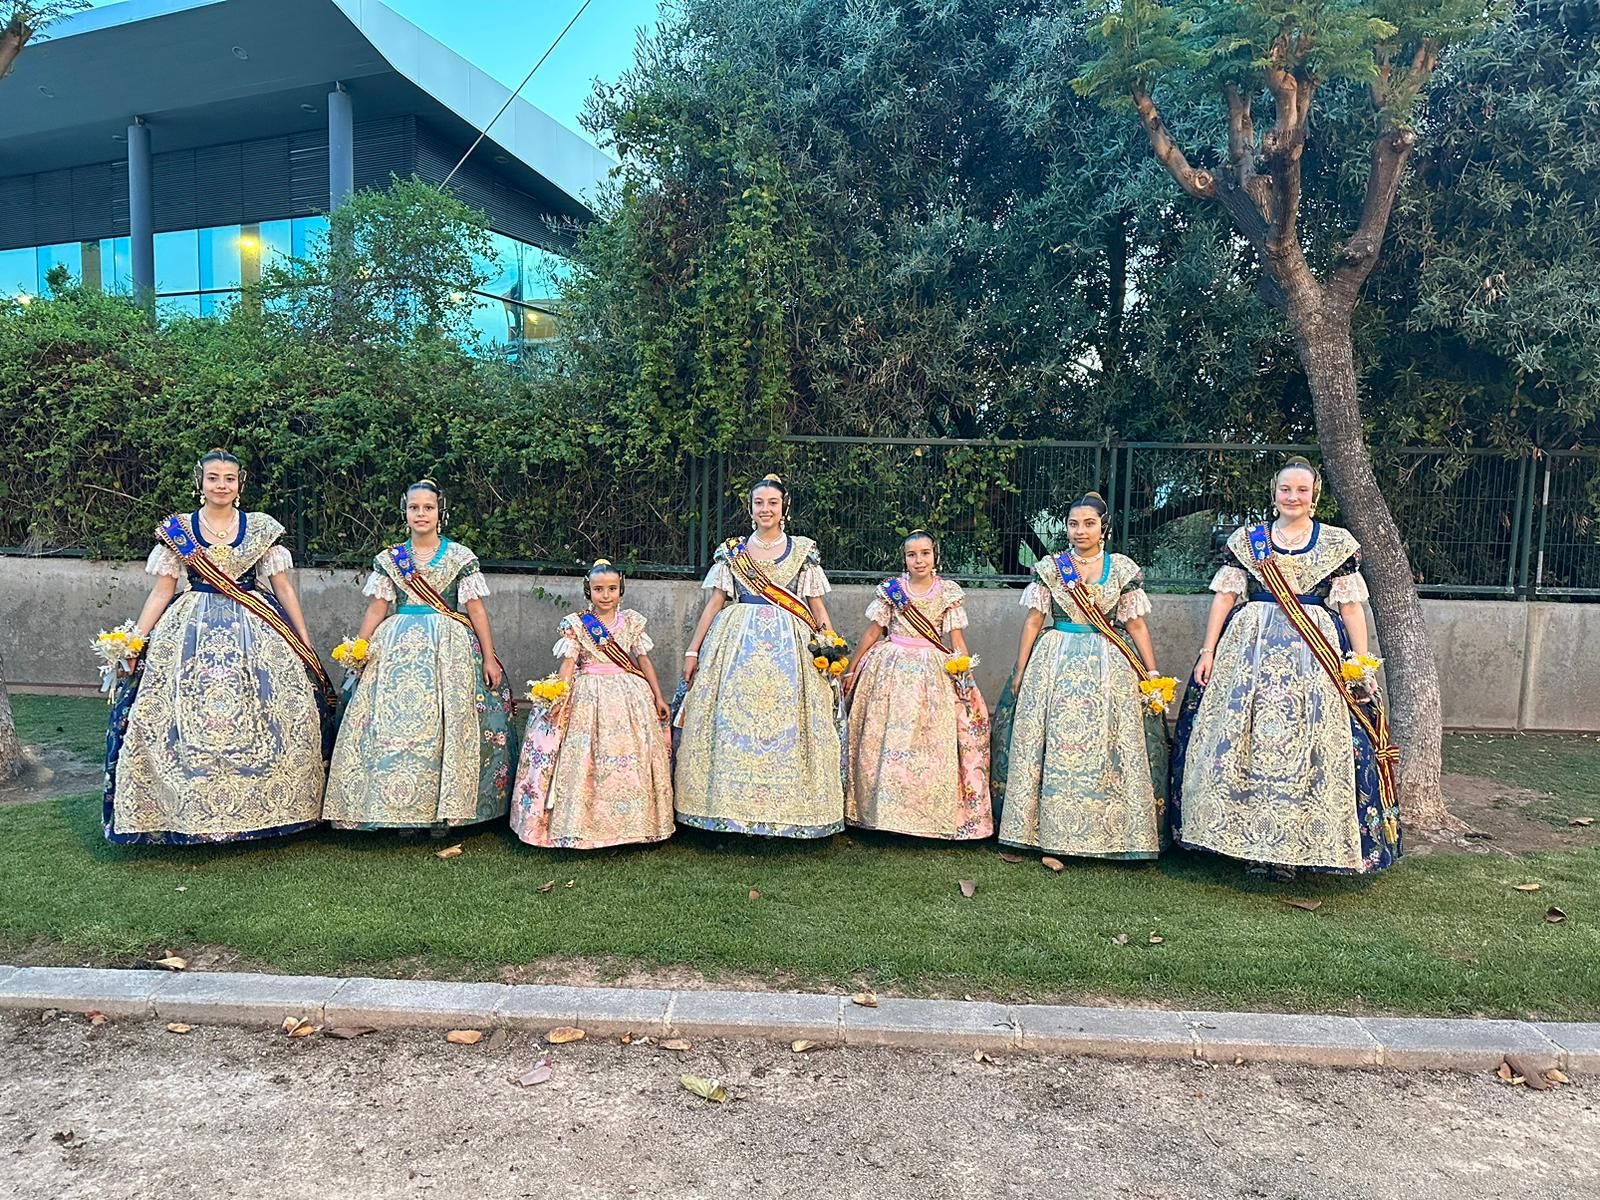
pixel 1476 522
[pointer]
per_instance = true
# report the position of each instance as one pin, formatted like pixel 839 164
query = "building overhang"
pixel 205 72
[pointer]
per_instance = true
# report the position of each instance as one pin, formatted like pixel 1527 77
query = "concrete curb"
pixel 226 998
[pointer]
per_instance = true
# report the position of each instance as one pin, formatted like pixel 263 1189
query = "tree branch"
pixel 1199 184
pixel 1360 253
pixel 12 39
pixel 1242 155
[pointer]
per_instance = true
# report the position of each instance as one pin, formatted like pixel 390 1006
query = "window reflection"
pixel 200 272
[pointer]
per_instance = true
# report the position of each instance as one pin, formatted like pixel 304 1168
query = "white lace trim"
pixel 720 579
pixel 955 617
pixel 1348 589
pixel 1232 580
pixel 811 582
pixel 565 647
pixel 379 586
pixel 473 587
pixel 879 612
pixel 1132 605
pixel 1036 595
pixel 165 561
pixel 274 562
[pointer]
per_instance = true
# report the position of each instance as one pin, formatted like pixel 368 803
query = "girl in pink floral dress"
pixel 595 770
pixel 918 744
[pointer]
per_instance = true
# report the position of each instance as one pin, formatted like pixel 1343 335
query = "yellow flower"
pixel 820 663
pixel 136 645
pixel 838 667
pixel 359 650
pixel 341 652
pixel 1351 671
pixel 958 664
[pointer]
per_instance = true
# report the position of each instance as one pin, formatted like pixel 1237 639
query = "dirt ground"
pixel 130 1110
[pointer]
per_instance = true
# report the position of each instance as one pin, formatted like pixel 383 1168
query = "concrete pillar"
pixel 341 147
pixel 141 214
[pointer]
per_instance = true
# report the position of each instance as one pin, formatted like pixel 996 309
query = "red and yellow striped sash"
pixel 755 577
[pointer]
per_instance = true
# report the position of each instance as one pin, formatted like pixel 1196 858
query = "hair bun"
pixel 772 477
pixel 1094 496
pixel 1298 460
pixel 600 562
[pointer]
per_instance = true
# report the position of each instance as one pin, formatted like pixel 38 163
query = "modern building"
pixel 170 147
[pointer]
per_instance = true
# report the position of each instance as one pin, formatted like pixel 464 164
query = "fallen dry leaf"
pixel 1503 1072
pixel 570 883
pixel 349 1032
pixel 548 886
pixel 708 1088
pixel 1554 915
pixel 172 963
pixel 1526 887
pixel 802 1046
pixel 1055 864
pixel 1303 905
pixel 464 1037
pixel 563 1034
pixel 627 1039
pixel 303 1029
pixel 96 1017
pixel 1537 1082
pixel 680 1044
pixel 754 895
pixel 289 1023
pixel 179 1027
pixel 1120 940
pixel 497 1040
pixel 864 999
pixel 1557 1077
pixel 969 889
pixel 448 852
pixel 1528 1071
pixel 980 1056
pixel 1010 858
pixel 1155 938
pixel 1581 822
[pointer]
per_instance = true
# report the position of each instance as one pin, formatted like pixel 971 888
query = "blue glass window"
pixel 67 254
pixel 220 250
pixel 19 273
pixel 178 261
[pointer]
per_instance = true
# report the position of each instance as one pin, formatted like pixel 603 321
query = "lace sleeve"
pixel 643 643
pixel 473 587
pixel 164 561
pixel 567 644
pixel 1133 604
pixel 955 617
pixel 1347 586
pixel 879 612
pixel 274 562
pixel 720 579
pixel 1230 579
pixel 379 586
pixel 811 582
pixel 1036 595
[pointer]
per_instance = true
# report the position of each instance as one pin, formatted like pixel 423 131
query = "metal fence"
pixel 1476 522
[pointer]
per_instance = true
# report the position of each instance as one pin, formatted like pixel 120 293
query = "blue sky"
pixel 506 37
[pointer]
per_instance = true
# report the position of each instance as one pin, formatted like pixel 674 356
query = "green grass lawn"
pixel 1439 934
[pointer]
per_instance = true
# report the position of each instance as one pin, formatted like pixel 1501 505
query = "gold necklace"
pixel 1277 532
pixel 755 540
pixel 217 534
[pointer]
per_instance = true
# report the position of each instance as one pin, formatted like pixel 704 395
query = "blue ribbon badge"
pixel 895 594
pixel 1260 543
pixel 1064 568
pixel 403 561
pixel 596 630
pixel 179 535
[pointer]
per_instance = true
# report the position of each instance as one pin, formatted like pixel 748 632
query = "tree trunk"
pixel 10 744
pixel 1322 337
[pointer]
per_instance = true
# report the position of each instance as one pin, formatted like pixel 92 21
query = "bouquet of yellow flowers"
pixel 351 653
pixel 545 692
pixel 1360 672
pixel 1159 693
pixel 830 653
pixel 118 649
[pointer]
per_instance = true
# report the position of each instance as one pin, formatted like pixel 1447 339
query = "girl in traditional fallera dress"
pixel 918 730
pixel 220 732
pixel 760 751
pixel 424 742
pixel 594 769
pixel 1077 764
pixel 1282 756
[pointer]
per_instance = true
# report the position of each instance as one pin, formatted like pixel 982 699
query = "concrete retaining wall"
pixel 1505 665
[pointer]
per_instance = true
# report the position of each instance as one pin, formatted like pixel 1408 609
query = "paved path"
pixel 128 1110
